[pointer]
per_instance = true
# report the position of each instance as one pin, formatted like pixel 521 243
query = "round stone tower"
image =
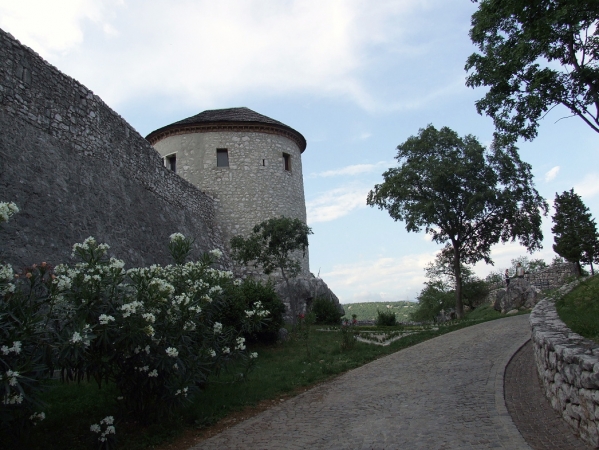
pixel 249 163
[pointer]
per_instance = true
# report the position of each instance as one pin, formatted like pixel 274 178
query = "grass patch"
pixel 281 371
pixel 579 309
pixel 484 312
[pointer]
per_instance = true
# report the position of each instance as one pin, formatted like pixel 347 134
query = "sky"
pixel 355 77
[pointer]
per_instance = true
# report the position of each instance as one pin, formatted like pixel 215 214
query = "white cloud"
pixel 589 186
pixel 206 53
pixel 355 169
pixel 50 27
pixel 336 203
pixel 551 174
pixel 382 279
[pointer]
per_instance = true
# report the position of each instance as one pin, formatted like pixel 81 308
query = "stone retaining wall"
pixel 75 168
pixel 568 367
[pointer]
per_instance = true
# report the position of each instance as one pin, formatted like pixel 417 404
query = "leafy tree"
pixel 432 299
pixel 535 54
pixel 462 195
pixel 273 245
pixel 440 273
pixel 575 231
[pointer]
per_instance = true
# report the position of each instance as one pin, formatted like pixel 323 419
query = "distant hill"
pixel 367 311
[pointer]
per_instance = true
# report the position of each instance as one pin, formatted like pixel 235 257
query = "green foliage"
pixel 149 331
pixel 349 336
pixel 385 319
pixel 241 297
pixel 529 265
pixel 431 300
pixel 484 312
pixel 462 195
pixel 326 312
pixel 575 231
pixel 272 244
pixel 579 309
pixel 535 55
pixel 474 291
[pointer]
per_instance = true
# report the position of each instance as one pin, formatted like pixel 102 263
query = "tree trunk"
pixel 592 270
pixel 292 303
pixel 457 270
pixel 579 268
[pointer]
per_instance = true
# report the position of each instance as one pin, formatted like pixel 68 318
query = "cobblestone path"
pixel 532 413
pixel 446 393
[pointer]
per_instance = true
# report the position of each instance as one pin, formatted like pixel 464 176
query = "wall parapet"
pixel 568 366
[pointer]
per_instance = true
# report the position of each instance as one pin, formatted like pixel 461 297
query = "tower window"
pixel 171 162
pixel 222 157
pixel 287 161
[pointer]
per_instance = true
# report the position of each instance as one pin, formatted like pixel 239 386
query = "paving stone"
pixel 540 425
pixel 445 393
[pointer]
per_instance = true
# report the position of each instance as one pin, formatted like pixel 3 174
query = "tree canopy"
pixel 575 231
pixel 273 245
pixel 535 54
pixel 463 195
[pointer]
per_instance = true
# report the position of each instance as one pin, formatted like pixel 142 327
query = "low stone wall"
pixel 568 366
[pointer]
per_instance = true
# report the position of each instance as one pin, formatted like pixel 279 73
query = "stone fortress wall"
pixel 255 186
pixel 568 367
pixel 75 168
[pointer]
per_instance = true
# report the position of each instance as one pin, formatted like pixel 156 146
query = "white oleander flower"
pixel 12 377
pixel 226 350
pixel 108 420
pixel 253 355
pixel 240 344
pixel 104 319
pixel 7 210
pixel 37 416
pixel 149 317
pixel 212 353
pixel 76 338
pixel 95 428
pixel 177 237
pixel 6 272
pixel 216 253
pixel 153 373
pixel 215 290
pixel 218 327
pixel 172 352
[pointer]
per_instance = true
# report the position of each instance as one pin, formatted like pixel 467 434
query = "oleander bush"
pixel 244 297
pixel 153 332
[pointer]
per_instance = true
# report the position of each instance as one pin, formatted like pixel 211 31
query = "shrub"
pixel 242 296
pixel 326 312
pixel 152 331
pixel 348 336
pixel 385 318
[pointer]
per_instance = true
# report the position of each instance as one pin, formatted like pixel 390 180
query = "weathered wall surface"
pixel 255 187
pixel 75 168
pixel 568 366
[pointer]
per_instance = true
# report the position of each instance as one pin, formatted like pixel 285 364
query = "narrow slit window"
pixel 222 157
pixel 171 162
pixel 287 161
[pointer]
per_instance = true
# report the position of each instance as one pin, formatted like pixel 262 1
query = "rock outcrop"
pixel 519 294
